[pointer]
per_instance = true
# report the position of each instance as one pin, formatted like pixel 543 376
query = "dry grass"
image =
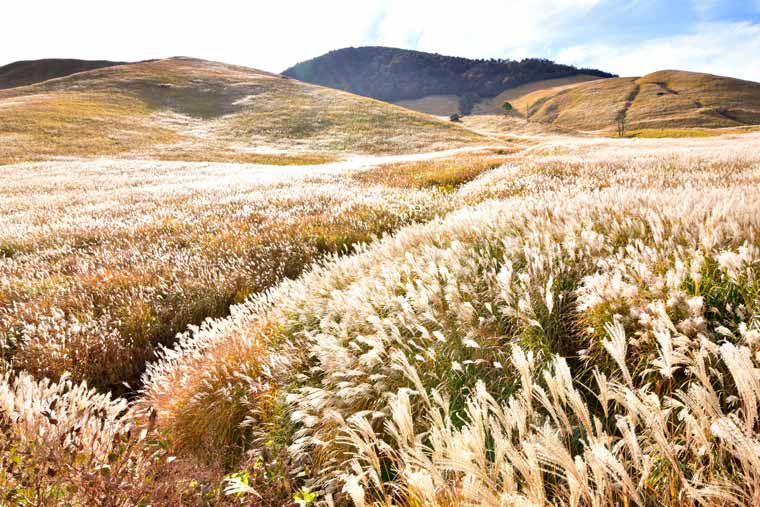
pixel 576 327
pixel 690 132
pixel 76 124
pixel 102 262
pixel 546 348
pixel 446 105
pixel 445 174
pixel 662 100
pixel 180 109
pixel 521 96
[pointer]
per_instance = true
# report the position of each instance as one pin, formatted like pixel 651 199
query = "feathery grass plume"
pixel 65 443
pixel 580 335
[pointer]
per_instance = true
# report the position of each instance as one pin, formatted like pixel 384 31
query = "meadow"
pixel 574 323
pixel 103 262
pixel 184 109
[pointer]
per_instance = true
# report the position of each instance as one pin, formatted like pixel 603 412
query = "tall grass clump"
pixel 66 444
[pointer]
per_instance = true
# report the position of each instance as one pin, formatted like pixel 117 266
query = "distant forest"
pixel 392 74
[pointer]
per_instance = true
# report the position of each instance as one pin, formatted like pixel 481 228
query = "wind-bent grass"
pixel 101 263
pixel 559 347
pixel 584 334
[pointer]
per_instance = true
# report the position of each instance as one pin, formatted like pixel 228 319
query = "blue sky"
pixel 627 37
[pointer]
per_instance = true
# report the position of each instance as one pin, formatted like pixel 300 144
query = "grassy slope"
pixel 187 109
pixel 29 72
pixel 517 95
pixel 439 105
pixel 444 105
pixel 662 100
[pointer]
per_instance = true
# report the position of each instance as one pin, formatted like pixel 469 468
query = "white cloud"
pixel 729 49
pixel 477 28
pixel 273 35
pixel 264 34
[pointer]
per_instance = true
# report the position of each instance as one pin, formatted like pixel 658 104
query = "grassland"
pixel 103 262
pixel 184 109
pixel 445 174
pixel 518 96
pixel 558 320
pixel 669 100
pixel 563 329
pixel 556 304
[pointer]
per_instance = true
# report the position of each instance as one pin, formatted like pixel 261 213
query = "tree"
pixel 507 107
pixel 620 121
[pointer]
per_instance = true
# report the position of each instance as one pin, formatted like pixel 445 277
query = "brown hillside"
pixel 445 105
pixel 186 109
pixel 662 100
pixel 515 96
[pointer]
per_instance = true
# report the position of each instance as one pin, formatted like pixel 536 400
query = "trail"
pixel 629 102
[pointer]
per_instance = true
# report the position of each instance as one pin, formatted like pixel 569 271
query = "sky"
pixel 626 37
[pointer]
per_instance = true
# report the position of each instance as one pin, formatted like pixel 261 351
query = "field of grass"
pixel 690 132
pixel 215 291
pixel 185 109
pixel 574 323
pixel 103 262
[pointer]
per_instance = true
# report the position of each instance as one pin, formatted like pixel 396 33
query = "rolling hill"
pixel 441 83
pixel 29 72
pixel 188 109
pixel 665 100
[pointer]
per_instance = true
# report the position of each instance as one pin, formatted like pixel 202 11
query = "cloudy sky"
pixel 627 37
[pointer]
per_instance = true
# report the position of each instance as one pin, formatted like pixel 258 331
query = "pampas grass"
pixel 577 333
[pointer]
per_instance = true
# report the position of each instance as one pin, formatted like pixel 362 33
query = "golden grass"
pixel 671 100
pixel 183 109
pixel 443 174
pixel 675 133
pixel 523 95
pixel 337 121
pixel 104 262
pixel 76 124
pixel 404 369
pixel 490 342
pixel 446 105
pixel 221 155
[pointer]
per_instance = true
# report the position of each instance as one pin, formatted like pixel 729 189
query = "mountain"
pixel 28 72
pixel 668 99
pixel 188 109
pixel 395 75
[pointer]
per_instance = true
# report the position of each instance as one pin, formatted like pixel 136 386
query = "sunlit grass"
pixel 183 109
pixel 444 174
pixel 552 323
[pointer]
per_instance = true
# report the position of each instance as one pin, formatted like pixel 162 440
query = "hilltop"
pixel 27 72
pixel 188 109
pixel 664 100
pixel 396 75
